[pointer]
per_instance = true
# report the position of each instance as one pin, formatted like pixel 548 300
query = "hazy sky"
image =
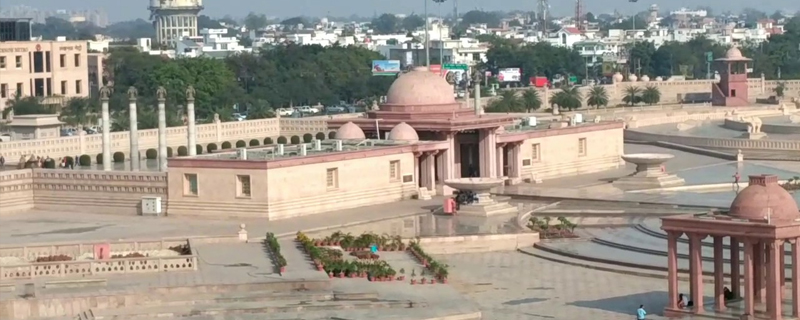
pixel 131 9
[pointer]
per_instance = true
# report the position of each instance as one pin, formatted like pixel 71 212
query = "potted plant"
pixel 423 280
pixel 443 275
pixel 413 276
pixel 402 275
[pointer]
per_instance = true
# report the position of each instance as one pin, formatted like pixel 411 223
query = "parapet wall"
pixel 741 125
pixel 716 143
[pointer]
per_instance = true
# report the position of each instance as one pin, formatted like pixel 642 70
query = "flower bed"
pixel 438 269
pixel 564 230
pixel 271 242
pixel 349 242
pixel 792 184
pixel 332 262
pixel 365 255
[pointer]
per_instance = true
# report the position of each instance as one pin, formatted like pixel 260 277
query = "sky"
pixel 119 10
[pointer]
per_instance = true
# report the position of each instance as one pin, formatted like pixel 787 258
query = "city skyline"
pixel 239 8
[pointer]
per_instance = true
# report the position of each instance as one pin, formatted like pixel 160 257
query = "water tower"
pixel 174 19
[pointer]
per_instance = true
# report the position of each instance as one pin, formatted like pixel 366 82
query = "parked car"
pixel 307 109
pixel 239 116
pixel 335 109
pixel 285 111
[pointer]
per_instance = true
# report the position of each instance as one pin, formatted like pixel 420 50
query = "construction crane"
pixel 544 7
pixel 579 14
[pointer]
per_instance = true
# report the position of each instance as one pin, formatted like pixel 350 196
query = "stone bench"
pixel 82 283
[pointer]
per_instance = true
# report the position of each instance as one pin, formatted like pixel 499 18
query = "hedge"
pixel 267 141
pixel 226 145
pixel 254 142
pixel 119 156
pixel 183 151
pixel 241 144
pixel 199 149
pixel 99 158
pixel 211 147
pixel 308 137
pixel 169 152
pixel 70 160
pixel 151 154
pixel 295 140
pixel 281 140
pixel 320 136
pixel 49 164
pixel 85 160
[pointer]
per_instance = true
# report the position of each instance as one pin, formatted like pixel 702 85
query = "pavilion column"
pixel 500 160
pixel 719 275
pixel 104 93
pixel 162 129
pixel 782 274
pixel 758 271
pixel 488 153
pixel 134 129
pixel 191 136
pixel 514 163
pixel 430 170
pixel 774 305
pixel 672 267
pixel 696 270
pixel 736 281
pixel 749 277
pixel 795 278
pixel 445 164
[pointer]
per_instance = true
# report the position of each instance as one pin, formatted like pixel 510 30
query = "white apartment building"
pixel 211 43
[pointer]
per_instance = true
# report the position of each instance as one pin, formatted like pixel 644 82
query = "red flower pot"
pixel 283 269
pixel 320 267
pixel 352 275
pixel 423 281
pixel 433 281
pixel 413 281
pixel 391 278
pixel 330 274
pixel 341 275
pixel 444 280
pixel 401 278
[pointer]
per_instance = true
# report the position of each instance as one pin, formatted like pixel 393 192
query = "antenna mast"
pixel 543 8
pixel 579 14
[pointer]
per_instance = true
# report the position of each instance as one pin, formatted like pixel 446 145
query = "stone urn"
pixel 645 78
pixel 617 77
pixel 659 79
pixel 633 78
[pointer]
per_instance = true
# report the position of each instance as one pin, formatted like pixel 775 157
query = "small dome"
pixel 420 87
pixel 350 131
pixel 764 196
pixel 403 132
pixel 734 53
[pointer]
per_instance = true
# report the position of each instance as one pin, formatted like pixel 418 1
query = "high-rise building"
pixel 174 19
pixel 15 29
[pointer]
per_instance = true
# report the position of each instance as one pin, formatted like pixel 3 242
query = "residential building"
pixel 15 29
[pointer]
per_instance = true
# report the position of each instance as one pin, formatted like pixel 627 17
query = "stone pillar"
pixel 736 281
pixel 782 275
pixel 478 104
pixel 719 275
pixel 758 268
pixel 161 93
pixel 774 304
pixel 447 163
pixel 488 153
pixel 427 168
pixel 134 129
pixel 500 155
pixel 190 125
pixel 696 271
pixel 515 163
pixel 795 278
pixel 672 268
pixel 749 278
pixel 104 95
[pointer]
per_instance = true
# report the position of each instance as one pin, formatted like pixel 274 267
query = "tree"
pixel 293 23
pixel 598 97
pixel 780 89
pixel 569 97
pixel 491 19
pixel 633 95
pixel 651 95
pixel 255 21
pixel 259 109
pixel 413 22
pixel 590 17
pixel 507 102
pixel 531 100
pixel 80 112
pixel 386 24
pixel 26 105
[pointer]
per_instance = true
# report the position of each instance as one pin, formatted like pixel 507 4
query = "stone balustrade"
pixel 741 125
pixel 715 143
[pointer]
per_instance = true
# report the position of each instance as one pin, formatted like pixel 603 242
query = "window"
pixel 394 170
pixel 733 93
pixel 536 152
pixel 19 62
pixel 190 184
pixel 77 60
pixel 64 87
pixel 19 89
pixel 244 186
pixel 332 178
pixel 582 146
pixel 62 60
pixel 38 62
pixel 2 62
pixel 78 85
pixel 3 90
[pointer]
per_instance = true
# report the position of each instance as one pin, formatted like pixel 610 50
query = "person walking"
pixel 736 178
pixel 640 313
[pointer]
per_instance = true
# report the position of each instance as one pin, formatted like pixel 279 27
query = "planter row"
pixel 425 263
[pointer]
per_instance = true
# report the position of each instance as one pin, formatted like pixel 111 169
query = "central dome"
pixel 420 87
pixel 764 197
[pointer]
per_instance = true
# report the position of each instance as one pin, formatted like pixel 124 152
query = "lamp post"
pixel 427 38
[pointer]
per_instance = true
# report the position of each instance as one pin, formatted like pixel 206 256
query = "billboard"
pixel 509 75
pixel 435 68
pixel 455 73
pixel 385 67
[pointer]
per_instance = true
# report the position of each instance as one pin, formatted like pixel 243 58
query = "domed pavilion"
pixel 762 219
pixel 731 90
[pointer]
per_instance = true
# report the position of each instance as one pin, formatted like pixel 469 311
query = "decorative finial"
pixel 190 93
pixel 161 93
pixel 132 93
pixel 105 92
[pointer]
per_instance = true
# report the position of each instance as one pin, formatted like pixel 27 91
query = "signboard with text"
pixel 509 75
pixel 385 67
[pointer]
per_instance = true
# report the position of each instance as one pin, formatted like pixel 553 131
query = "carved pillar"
pixel 773 276
pixel 430 168
pixel 672 267
pixel 500 159
pixel 515 163
pixel 795 278
pixel 696 271
pixel 104 93
pixel 190 125
pixel 134 129
pixel 749 277
pixel 161 93
pixel 487 147
pixel 758 270
pixel 447 163
pixel 736 281
pixel 782 269
pixel 719 275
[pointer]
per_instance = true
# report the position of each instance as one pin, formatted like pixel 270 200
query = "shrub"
pixel 320 136
pixel 199 149
pixel 241 144
pixel 295 140
pixel 254 142
pixel 119 157
pixel 281 140
pixel 308 137
pixel 151 154
pixel 70 160
pixel 169 152
pixel 267 141
pixel 85 160
pixel 211 147
pixel 332 135
pixel 49 164
pixel 182 151
pixel 226 145
pixel 99 158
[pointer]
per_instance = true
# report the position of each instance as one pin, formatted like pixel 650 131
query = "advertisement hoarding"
pixel 509 75
pixel 385 67
pixel 455 73
pixel 435 68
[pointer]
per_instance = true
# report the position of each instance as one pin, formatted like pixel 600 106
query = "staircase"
pixel 424 194
pixel 86 315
